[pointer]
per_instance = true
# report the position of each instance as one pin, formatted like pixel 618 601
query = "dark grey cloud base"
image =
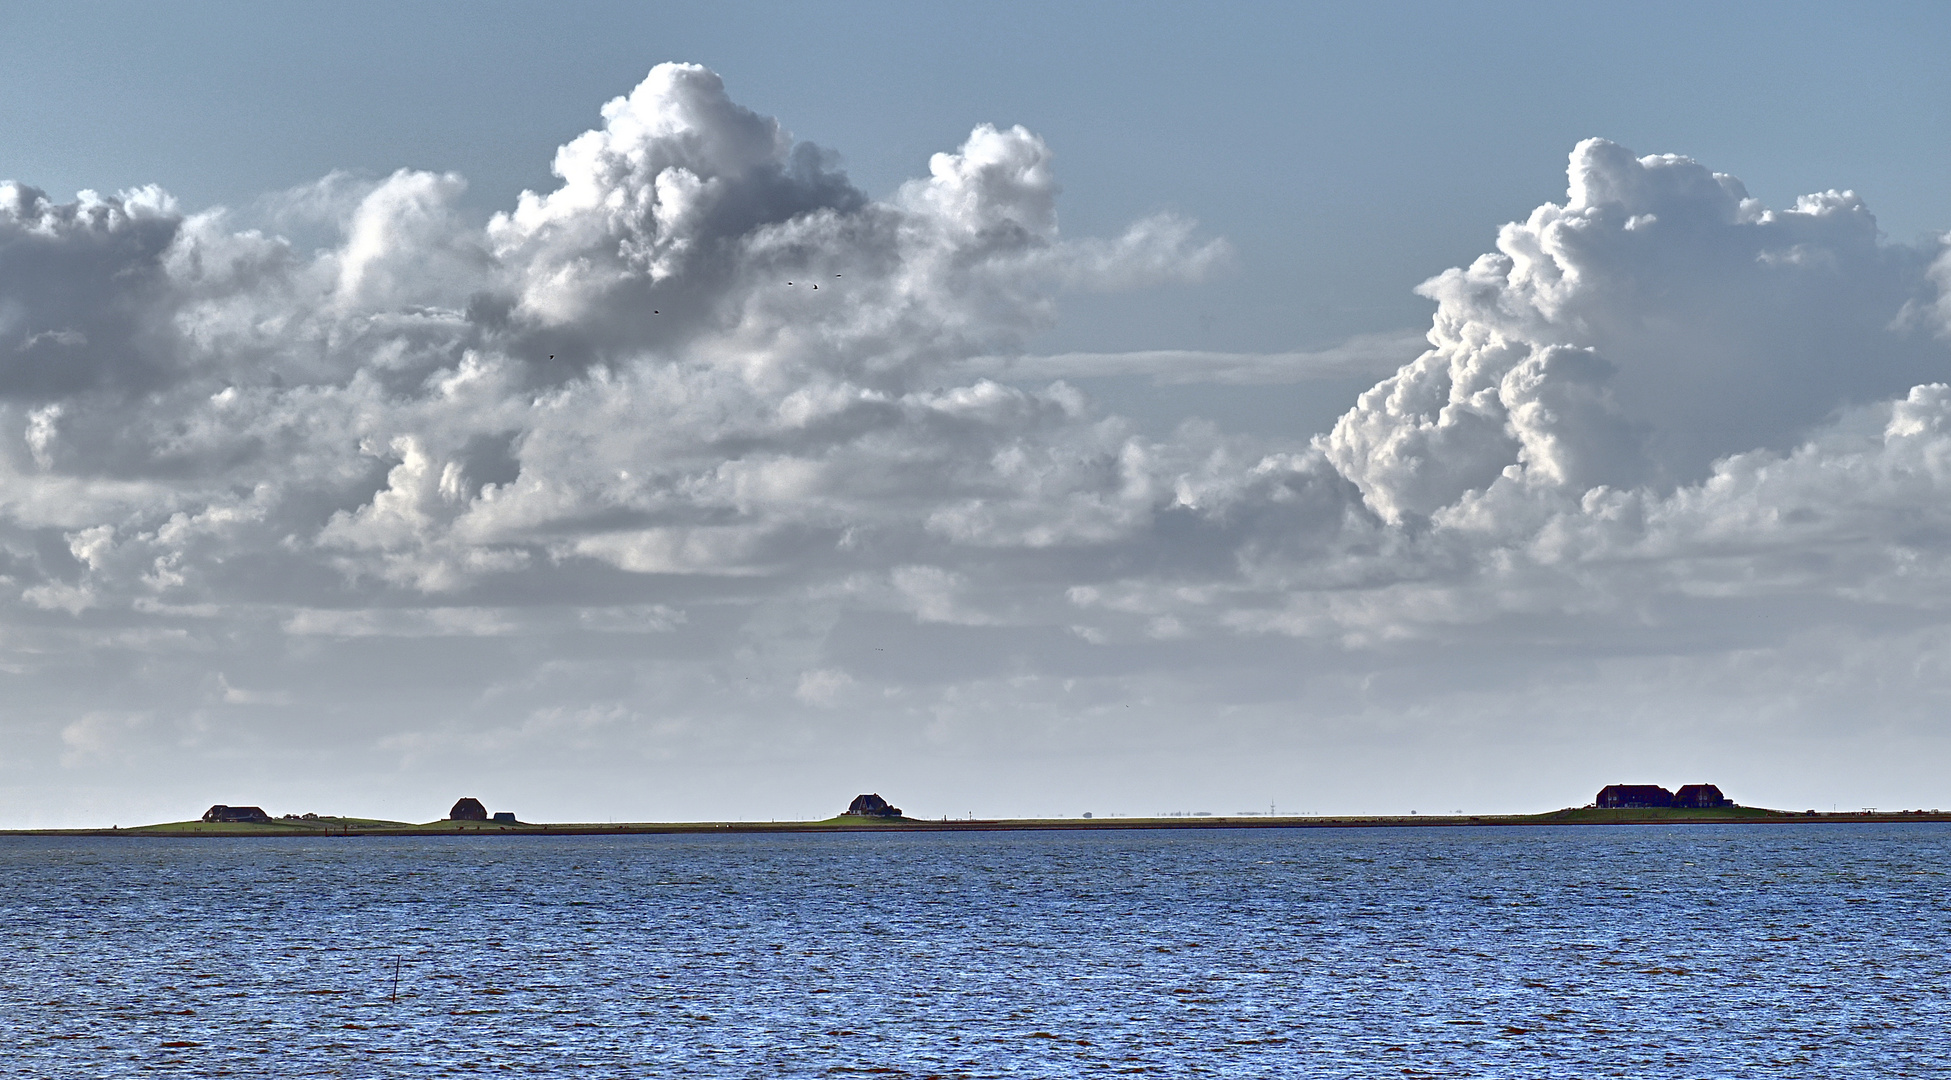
pixel 707 472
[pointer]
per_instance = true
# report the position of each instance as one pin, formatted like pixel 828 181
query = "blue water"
pixel 1702 951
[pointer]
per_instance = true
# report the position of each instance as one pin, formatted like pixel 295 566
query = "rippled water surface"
pixel 1818 951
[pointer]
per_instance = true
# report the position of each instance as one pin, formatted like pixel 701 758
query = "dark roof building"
pixel 871 806
pixel 220 812
pixel 1634 797
pixel 1700 797
pixel 468 810
pixel 1650 796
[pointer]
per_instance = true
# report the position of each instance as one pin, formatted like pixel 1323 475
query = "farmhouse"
pixel 220 812
pixel 871 806
pixel 1700 797
pixel 468 810
pixel 1634 797
pixel 1651 796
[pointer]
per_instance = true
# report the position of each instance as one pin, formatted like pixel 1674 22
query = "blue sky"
pixel 1355 408
pixel 1348 151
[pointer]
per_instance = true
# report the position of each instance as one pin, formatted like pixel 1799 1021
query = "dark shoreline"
pixel 1570 818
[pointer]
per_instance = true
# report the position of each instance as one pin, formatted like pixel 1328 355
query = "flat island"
pixel 1589 815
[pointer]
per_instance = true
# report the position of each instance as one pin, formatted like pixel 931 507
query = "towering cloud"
pixel 1657 321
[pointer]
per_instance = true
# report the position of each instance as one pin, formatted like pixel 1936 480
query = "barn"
pixel 1634 797
pixel 220 812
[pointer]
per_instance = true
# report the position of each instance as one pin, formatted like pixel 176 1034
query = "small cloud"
pixel 60 596
pixel 61 338
pixel 235 696
pixel 401 622
pixel 630 619
pixel 824 688
pixel 99 736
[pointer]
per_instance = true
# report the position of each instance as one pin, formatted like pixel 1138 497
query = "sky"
pixel 657 412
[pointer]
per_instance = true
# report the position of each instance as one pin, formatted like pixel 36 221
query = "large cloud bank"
pixel 706 374
pixel 704 354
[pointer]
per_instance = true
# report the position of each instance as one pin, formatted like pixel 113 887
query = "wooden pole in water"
pixel 396 979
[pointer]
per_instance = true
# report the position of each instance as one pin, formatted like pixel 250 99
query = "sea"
pixel 1643 951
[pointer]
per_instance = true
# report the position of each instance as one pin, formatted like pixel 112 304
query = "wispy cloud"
pixel 1365 355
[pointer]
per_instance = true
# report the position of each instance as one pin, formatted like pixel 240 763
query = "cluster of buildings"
pixel 1653 796
pixel 465 810
pixel 472 810
pixel 1611 797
